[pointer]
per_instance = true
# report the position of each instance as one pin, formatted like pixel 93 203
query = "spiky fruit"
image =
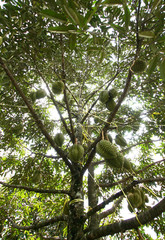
pixel 120 141
pixel 58 87
pixel 33 96
pixel 110 105
pixel 112 93
pixel 76 152
pixel 40 93
pixel 59 139
pixel 127 164
pixel 106 150
pixel 104 96
pixel 116 162
pixel 139 66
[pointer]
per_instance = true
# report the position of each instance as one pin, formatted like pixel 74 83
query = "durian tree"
pixel 82 119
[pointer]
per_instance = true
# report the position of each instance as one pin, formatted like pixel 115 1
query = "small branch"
pixel 39 225
pixel 65 95
pixel 111 210
pixel 147 180
pixel 132 223
pixel 139 234
pixel 35 189
pixel 136 144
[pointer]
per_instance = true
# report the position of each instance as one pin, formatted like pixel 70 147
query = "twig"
pixel 35 189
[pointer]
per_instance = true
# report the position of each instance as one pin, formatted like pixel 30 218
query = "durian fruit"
pixel 127 164
pixel 104 96
pixel 33 96
pixel 76 152
pixel 40 93
pixel 134 199
pixel 115 162
pixel 59 139
pixel 120 141
pixel 106 150
pixel 139 66
pixel 110 105
pixel 112 93
pixel 58 87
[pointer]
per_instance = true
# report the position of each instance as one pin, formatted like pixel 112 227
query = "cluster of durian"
pixel 136 199
pixel 107 98
pixel 37 95
pixel 112 157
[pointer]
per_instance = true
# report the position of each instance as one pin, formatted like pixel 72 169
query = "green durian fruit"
pixel 104 96
pixel 137 200
pixel 33 96
pixel 40 94
pixel 110 105
pixel 112 93
pixel 127 164
pixel 76 152
pixel 130 198
pixel 59 139
pixel 110 138
pixel 106 149
pixel 58 87
pixel 116 162
pixel 139 66
pixel 120 141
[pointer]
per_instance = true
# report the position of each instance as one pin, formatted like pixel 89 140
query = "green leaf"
pixel 162 69
pixel 146 34
pixel 126 16
pixel 112 2
pixel 118 28
pixel 72 41
pixel 62 29
pixel 153 64
pixel 53 15
pixel 73 15
pixel 1 40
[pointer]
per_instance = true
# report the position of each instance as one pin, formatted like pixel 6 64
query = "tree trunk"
pixel 76 208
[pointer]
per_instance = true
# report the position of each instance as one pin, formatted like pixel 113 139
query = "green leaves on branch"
pixel 53 15
pixel 112 2
pixel 146 34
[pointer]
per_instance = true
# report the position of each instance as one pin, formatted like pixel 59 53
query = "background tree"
pixel 82 119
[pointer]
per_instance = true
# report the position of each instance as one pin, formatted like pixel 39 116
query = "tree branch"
pixel 132 223
pixel 131 177
pixel 39 225
pixel 35 189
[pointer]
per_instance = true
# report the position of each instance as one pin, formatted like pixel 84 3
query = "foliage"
pixel 89 47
